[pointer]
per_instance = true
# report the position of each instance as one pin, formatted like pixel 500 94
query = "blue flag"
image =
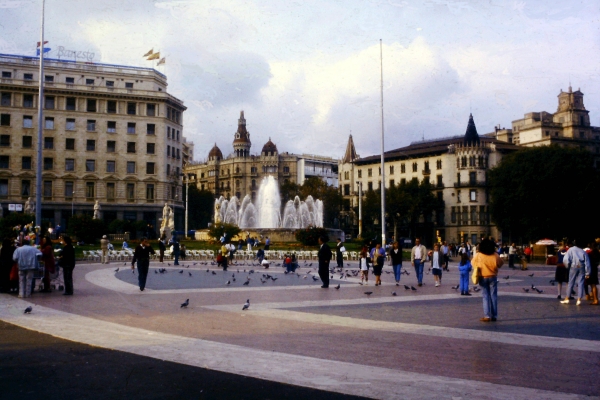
pixel 46 49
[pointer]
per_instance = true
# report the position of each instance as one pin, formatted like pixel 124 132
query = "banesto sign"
pixel 74 54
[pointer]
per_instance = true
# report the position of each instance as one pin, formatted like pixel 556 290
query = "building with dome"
pixel 240 172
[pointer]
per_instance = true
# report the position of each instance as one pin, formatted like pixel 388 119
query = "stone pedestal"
pixel 166 231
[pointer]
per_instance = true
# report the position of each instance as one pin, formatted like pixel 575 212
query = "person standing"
pixel 592 279
pixel 561 275
pixel 104 248
pixel 418 255
pixel 260 255
pixel 324 256
pixel 175 243
pixel 464 267
pixel 396 257
pixel 162 247
pixel 224 254
pixel 6 263
pixel 339 255
pixel 267 243
pixel 437 258
pixel 26 257
pixel 67 262
pixel 488 262
pixel 49 262
pixel 378 257
pixel 363 264
pixel 142 256
pixel 512 252
pixel 249 243
pixel 446 255
pixel 578 263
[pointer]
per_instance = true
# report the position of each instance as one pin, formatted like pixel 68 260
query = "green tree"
pixel 217 230
pixel 548 191
pixel 200 207
pixel 85 228
pixel 8 223
pixel 288 190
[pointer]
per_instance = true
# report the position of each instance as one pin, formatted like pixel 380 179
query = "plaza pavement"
pixel 427 343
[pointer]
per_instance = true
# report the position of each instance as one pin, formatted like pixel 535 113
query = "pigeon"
pixel 530 274
pixel 234 279
pixel 169 264
pixel 539 290
pixel 246 283
pixel 394 294
pixel 262 281
pixel 406 287
pixel 337 287
pixel 117 270
pixel 455 287
pixel 533 287
pixel 246 305
pixel 214 273
pixel 190 273
pixel 476 289
pixel 228 283
pixel 506 277
pixel 181 272
pixel 413 288
pixel 185 304
pixel 28 310
pixel 155 271
pixel 368 293
pixel 274 279
pixel 315 278
pixel 526 290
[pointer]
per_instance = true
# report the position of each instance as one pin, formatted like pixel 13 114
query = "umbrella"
pixel 546 242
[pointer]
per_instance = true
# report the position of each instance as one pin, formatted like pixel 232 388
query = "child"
pixel 364 267
pixel 436 265
pixel 465 269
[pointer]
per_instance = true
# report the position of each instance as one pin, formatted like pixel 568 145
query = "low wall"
pixel 277 235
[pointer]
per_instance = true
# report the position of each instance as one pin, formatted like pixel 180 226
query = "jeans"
pixel 419 270
pixel 176 255
pixel 464 282
pixel 489 292
pixel 576 275
pixel 397 272
pixel 143 266
pixel 25 280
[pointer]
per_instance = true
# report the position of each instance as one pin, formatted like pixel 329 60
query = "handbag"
pixel 14 273
pixel 476 274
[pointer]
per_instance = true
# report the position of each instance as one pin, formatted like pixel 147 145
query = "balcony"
pixel 426 172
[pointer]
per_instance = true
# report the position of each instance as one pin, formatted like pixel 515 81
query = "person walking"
pixel 378 257
pixel 464 267
pixel 592 279
pixel 175 243
pixel 267 243
pixel 260 255
pixel 396 258
pixel 26 257
pixel 142 256
pixel 162 247
pixel 6 264
pixel 339 253
pixel 437 258
pixel 418 255
pixel 224 252
pixel 446 255
pixel 363 264
pixel 324 256
pixel 578 263
pixel 249 243
pixel 67 262
pixel 561 274
pixel 49 262
pixel 488 262
pixel 104 248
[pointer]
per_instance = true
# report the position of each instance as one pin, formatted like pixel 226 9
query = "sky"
pixel 307 73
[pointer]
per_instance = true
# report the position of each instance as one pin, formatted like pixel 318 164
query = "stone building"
pixel 111 133
pixel 241 172
pixel 456 166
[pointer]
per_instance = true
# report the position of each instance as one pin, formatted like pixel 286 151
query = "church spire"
pixel 471 136
pixel 350 154
pixel 241 141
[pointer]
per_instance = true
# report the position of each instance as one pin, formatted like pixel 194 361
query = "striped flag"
pixel 145 55
pixel 154 56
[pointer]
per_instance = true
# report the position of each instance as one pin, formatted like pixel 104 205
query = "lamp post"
pixel 359 208
pixel 38 179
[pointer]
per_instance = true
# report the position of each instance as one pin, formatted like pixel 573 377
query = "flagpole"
pixel 38 178
pixel 382 153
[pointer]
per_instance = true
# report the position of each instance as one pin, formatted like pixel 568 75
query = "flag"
pixel 46 49
pixel 38 43
pixel 148 53
pixel 154 56
pixel 162 61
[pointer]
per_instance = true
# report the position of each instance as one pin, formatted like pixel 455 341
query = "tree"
pixel 200 207
pixel 9 222
pixel 85 228
pixel 544 192
pixel 217 230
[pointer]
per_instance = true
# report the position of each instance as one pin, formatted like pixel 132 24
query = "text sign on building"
pixel 15 207
pixel 75 54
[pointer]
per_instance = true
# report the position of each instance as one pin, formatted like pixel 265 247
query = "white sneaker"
pixel 437 284
pixel 565 301
pixel 578 302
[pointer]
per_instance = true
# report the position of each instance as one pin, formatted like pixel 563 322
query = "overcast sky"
pixel 306 73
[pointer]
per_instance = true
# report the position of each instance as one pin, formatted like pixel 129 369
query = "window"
pixel 179 157
pixel 130 191
pixel 70 125
pixel 26 163
pixel 69 80
pixel 168 169
pixel 150 129
pixel 463 162
pixel 360 173
pixel 473 195
pixel 27 121
pixel 4 140
pixel 90 190
pixel 91 105
pixel 110 166
pixel 178 139
pixel 48 163
pixel 49 102
pixel 4 119
pixel 47 190
pixel 131 108
pixel 5 99
pixel 150 191
pixel 150 110
pixel 392 182
pixel 25 188
pixel 90 165
pixel 131 167
pixel 48 78
pixel 28 77
pixel 70 103
pixel 27 142
pixel 70 144
pixel 370 172
pixel 28 100
pixel 6 74
pixel 472 178
pixel 111 126
pixel 453 215
pixel 458 196
pixel 129 85
pixel 110 191
pixel 90 145
pixel 438 164
pixel 168 151
pixel 111 146
pixel 131 127
pixel 131 147
pixel 69 189
pixel 402 168
pixel 49 123
pixel 89 81
pixel 427 166
pixel 91 125
pixel 150 168
pixel 110 83
pixel 111 107
pixel 150 148
pixel 440 183
pixel 168 132
pixel 582 134
pixel 415 167
pixel 70 164
pixel 391 169
pixel 458 178
pixel 48 143
pixel 370 186
pixel 474 215
pixel 4 162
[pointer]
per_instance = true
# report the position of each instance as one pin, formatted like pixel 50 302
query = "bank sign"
pixel 77 55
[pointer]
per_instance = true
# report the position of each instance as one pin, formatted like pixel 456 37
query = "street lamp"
pixel 359 208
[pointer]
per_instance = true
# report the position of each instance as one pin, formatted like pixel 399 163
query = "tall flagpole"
pixel 38 179
pixel 382 153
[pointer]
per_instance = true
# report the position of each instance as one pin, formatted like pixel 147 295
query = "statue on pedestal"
pixel 167 223
pixel 97 209
pixel 29 206
pixel 171 220
pixel 217 212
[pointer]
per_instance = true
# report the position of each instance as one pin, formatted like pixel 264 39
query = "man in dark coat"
pixel 324 259
pixel 339 255
pixel 142 256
